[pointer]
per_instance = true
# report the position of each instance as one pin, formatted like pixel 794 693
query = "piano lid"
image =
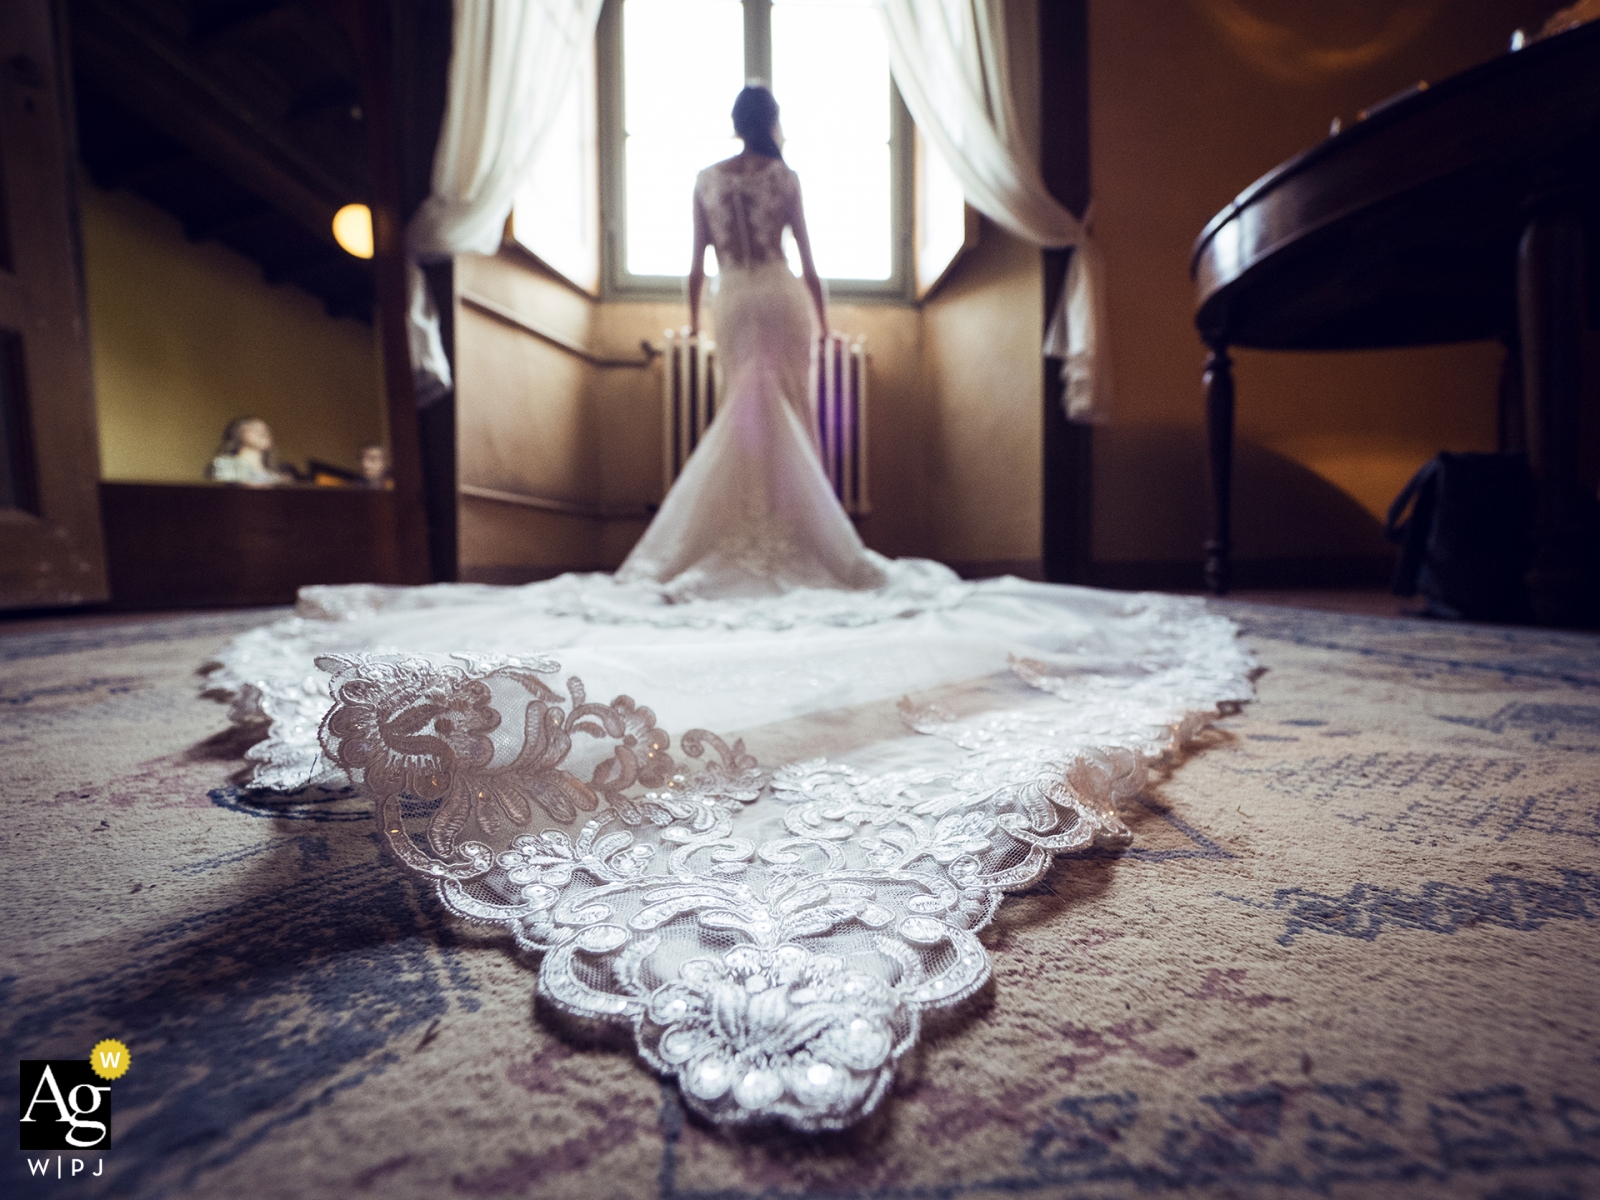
pixel 1402 228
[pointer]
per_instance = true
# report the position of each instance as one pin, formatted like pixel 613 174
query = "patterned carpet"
pixel 1352 952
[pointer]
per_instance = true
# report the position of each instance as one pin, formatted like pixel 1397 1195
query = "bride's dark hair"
pixel 755 112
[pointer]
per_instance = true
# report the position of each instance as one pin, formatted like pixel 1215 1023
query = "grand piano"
pixel 1464 211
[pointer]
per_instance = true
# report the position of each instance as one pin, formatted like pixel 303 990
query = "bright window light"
pixel 557 212
pixel 885 218
pixel 830 74
pixel 941 225
pixel 683 63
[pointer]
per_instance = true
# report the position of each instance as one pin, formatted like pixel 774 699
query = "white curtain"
pixel 511 64
pixel 950 63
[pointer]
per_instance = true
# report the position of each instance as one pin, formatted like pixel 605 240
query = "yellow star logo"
pixel 109 1059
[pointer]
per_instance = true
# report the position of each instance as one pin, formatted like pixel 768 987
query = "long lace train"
pixel 771 930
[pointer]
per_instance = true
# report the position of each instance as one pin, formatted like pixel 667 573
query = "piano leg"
pixel 1511 415
pixel 1218 379
pixel 1550 312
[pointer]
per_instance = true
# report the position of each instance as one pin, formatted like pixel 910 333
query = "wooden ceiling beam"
pixel 350 306
pixel 161 81
pixel 229 220
pixel 137 174
pixel 319 33
pixel 296 268
pixel 239 21
pixel 336 94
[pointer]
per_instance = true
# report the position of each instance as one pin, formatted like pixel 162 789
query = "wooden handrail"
pixel 506 317
pixel 566 508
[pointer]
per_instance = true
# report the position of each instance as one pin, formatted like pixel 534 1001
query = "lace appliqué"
pixel 748 211
pixel 769 546
pixel 772 936
pixel 268 671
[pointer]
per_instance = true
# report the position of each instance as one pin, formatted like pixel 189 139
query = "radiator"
pixel 691 391
pixel 839 398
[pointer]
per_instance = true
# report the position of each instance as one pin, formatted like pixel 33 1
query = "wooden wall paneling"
pixel 529 435
pixel 526 416
pixel 200 545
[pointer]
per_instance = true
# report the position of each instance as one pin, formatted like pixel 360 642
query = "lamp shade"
pixel 352 229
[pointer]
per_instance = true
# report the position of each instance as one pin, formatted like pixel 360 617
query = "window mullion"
pixel 612 112
pixel 758 40
pixel 902 192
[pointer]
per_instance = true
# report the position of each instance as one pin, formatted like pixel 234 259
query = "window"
pixel 680 66
pixel 673 68
pixel 830 69
pixel 650 110
pixel 556 216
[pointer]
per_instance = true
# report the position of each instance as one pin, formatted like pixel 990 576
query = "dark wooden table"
pixel 1466 211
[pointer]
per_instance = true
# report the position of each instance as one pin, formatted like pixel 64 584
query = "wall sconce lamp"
pixel 352 229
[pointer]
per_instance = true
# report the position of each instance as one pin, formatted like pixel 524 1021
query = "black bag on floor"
pixel 1465 547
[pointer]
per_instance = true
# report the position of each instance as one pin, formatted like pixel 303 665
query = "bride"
pixel 773 907
pixel 753 513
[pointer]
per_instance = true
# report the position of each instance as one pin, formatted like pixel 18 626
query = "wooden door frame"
pixel 1067 529
pixel 51 552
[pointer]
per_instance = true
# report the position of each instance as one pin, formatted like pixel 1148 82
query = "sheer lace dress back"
pixel 748 209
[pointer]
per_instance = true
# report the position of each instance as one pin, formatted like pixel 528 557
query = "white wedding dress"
pixel 756 794
pixel 753 513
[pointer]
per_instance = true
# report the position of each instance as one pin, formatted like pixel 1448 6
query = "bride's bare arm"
pixel 808 269
pixel 697 268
